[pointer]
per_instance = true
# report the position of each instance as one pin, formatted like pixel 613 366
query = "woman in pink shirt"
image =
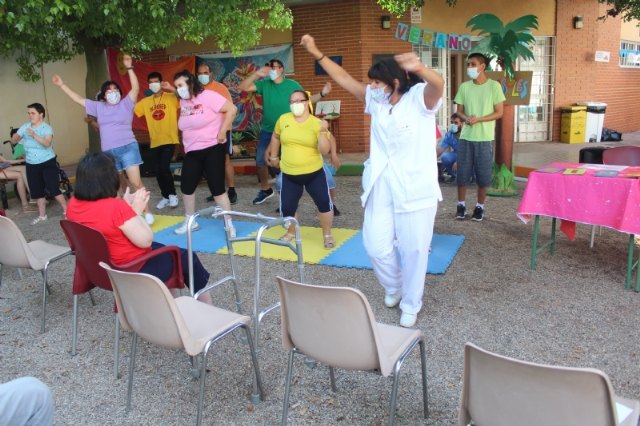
pixel 205 118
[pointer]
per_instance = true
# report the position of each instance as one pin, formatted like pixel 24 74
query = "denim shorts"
pixel 474 157
pixel 263 142
pixel 126 156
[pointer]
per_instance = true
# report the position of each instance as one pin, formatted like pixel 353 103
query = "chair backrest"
pixel 90 248
pixel 334 325
pixel 502 391
pixel 622 156
pixel 16 251
pixel 147 306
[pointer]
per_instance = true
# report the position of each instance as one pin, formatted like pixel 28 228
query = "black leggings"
pixel 316 185
pixel 43 179
pixel 162 267
pixel 211 161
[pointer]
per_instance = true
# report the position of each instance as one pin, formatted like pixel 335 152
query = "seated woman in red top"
pixel 95 204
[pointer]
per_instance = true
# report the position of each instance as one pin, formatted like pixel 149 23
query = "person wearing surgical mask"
pixel 447 150
pixel 114 114
pixel 160 111
pixel 304 138
pixel 480 103
pixel 205 119
pixel 270 82
pixel 400 179
pixel 205 77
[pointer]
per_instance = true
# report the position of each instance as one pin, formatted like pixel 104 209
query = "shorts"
pixel 43 179
pixel 126 156
pixel 475 157
pixel 211 162
pixel 316 185
pixel 263 142
pixel 330 180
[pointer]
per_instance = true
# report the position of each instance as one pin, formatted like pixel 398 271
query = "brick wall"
pixel 580 78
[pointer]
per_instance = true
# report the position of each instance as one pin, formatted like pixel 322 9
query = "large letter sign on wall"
pixel 416 35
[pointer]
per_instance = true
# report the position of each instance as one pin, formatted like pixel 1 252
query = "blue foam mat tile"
pixel 209 238
pixel 352 254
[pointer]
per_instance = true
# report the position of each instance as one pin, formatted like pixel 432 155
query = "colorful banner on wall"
pixel 417 35
pixel 118 73
pixel 231 71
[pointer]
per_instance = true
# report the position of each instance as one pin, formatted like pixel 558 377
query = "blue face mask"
pixel 453 128
pixel 378 94
pixel 203 79
pixel 183 92
pixel 473 73
pixel 274 74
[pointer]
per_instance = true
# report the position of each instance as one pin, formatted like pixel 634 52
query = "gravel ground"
pixel 573 310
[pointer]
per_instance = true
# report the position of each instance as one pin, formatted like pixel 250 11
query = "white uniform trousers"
pixel 398 244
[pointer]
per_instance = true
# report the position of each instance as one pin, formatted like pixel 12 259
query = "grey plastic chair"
pixel 36 255
pixel 502 391
pixel 313 324
pixel 148 309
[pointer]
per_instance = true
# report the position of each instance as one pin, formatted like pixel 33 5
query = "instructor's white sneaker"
pixel 173 201
pixel 162 204
pixel 408 320
pixel 392 300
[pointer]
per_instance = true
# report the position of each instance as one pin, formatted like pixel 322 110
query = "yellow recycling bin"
pixel 573 123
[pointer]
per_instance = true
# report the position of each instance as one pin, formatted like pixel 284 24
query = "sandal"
pixel 288 237
pixel 329 243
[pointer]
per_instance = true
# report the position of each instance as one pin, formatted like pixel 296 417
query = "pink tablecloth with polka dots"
pixel 613 202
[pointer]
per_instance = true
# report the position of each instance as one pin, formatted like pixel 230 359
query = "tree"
pixel 626 9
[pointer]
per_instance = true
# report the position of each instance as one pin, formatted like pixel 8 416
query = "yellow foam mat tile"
pixel 313 250
pixel 164 221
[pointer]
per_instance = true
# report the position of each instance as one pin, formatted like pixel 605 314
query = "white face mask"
pixel 453 128
pixel 183 92
pixel 113 97
pixel 203 78
pixel 378 94
pixel 297 109
pixel 473 73
pixel 274 74
pixel 154 87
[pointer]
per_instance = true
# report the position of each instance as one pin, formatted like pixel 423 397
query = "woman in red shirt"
pixel 95 204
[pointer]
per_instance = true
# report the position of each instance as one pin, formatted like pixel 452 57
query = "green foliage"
pixel 503 181
pixel 400 7
pixel 626 9
pixel 41 31
pixel 506 43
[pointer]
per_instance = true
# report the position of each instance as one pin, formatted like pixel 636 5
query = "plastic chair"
pixel 91 248
pixel 314 320
pixel 501 391
pixel 150 310
pixel 36 255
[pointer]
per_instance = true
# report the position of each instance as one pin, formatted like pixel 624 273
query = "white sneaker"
pixel 149 218
pixel 183 228
pixel 391 300
pixel 39 219
pixel 408 320
pixel 173 201
pixel 162 203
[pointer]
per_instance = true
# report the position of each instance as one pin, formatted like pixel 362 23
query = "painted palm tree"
pixel 506 44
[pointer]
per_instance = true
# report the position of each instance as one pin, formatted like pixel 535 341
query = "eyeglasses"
pixel 298 101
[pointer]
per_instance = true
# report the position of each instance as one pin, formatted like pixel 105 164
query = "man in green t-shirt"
pixel 480 103
pixel 275 92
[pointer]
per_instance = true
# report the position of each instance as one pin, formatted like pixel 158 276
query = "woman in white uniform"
pixel 400 178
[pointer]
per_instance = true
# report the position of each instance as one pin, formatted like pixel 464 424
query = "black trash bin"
pixel 592 155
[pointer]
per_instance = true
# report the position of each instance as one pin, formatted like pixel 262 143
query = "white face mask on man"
pixel 154 87
pixel 473 73
pixel 203 79
pixel 274 74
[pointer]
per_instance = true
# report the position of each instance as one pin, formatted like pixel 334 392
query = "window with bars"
pixel 629 54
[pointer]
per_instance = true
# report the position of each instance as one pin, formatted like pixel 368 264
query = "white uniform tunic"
pixel 401 193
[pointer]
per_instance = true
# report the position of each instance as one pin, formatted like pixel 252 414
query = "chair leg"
pixel 394 395
pixel 593 235
pixel 0 275
pixel 425 395
pixel 116 355
pixel 258 390
pixel 93 302
pixel 74 325
pixel 44 298
pixel 132 366
pixel 287 390
pixel 332 376
pixel 203 376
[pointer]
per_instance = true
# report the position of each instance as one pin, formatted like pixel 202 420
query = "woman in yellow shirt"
pixel 304 138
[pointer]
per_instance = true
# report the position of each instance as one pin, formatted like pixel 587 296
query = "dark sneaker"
pixel 233 195
pixel 478 214
pixel 263 196
pixel 336 212
pixel 210 198
pixel 461 212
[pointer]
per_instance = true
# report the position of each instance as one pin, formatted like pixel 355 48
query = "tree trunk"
pixel 504 137
pixel 97 73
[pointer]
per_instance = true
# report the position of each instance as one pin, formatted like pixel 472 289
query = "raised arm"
pixel 435 82
pixel 248 84
pixel 335 71
pixel 135 85
pixel 66 89
pixel 326 89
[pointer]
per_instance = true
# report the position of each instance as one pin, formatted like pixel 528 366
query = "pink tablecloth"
pixel 613 202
